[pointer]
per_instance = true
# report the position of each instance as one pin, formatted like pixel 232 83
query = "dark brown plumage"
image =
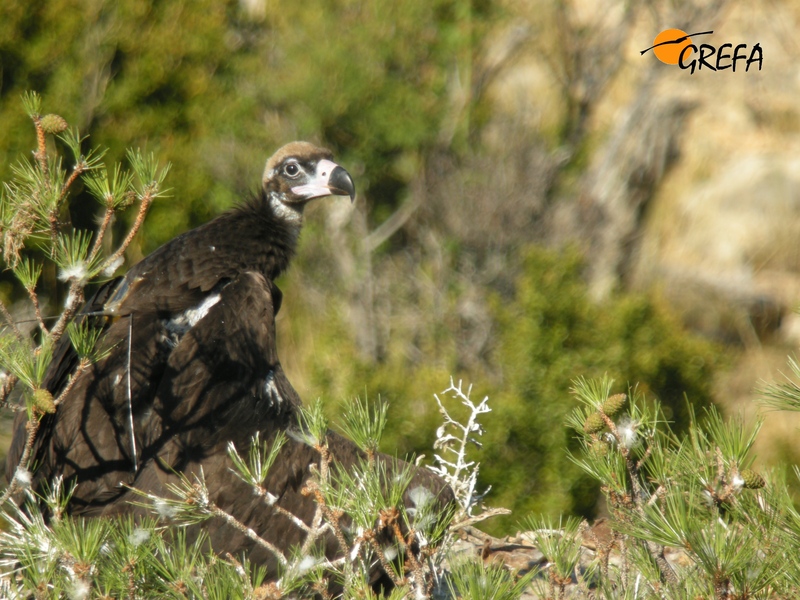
pixel 190 335
pixel 152 307
pixel 261 235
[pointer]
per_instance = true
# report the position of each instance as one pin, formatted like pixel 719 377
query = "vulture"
pixel 190 365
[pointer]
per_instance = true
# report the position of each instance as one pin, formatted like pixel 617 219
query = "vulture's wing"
pixel 47 457
pixel 182 273
pixel 193 391
pixel 223 383
pixel 93 438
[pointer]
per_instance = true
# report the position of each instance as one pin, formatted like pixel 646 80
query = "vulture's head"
pixel 299 172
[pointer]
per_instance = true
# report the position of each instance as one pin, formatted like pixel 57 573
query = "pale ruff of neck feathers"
pixel 286 212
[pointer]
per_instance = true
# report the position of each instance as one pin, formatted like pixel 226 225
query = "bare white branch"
pixel 461 474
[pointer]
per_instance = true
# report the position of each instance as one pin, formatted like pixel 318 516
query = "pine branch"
pixel 152 178
pixel 32 427
pixel 248 532
pixel 83 365
pixel 146 200
pixel 77 171
pixel 101 232
pixel 8 385
pixel 41 145
pixel 34 298
pixel 10 322
pixel 369 537
pixel 75 299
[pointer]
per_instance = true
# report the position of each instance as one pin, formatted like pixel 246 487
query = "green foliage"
pixel 72 257
pixel 117 558
pixel 474 580
pixel 784 395
pixel 542 334
pixel 38 238
pixel 214 86
pixel 113 191
pixel 363 498
pixel 688 492
pixel 333 366
pixel 560 542
pixel 84 339
pixel 312 423
pixel 27 272
pixel 259 461
pixel 364 426
pixel 549 330
pixel 361 506
pixel 19 358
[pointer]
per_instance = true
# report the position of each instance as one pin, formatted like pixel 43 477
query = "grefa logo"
pixel 675 47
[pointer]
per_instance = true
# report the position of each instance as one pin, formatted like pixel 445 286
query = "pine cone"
pixel 599 448
pixel 752 480
pixel 594 423
pixel 43 400
pixel 53 124
pixel 128 198
pixel 614 404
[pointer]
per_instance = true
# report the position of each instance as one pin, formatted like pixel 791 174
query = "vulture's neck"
pixel 272 230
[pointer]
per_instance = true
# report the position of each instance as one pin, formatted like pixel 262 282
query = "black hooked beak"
pixel 341 184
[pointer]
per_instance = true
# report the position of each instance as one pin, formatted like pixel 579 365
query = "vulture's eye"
pixel 292 169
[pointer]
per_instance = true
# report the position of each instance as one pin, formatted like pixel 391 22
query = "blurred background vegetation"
pixel 537 201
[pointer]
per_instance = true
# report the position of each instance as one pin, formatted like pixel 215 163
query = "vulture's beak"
pixel 341 184
pixel 329 180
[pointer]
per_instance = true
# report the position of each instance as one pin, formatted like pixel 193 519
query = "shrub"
pixel 548 330
pixel 543 332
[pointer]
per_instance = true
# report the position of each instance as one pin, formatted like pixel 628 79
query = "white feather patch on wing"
pixel 271 390
pixel 183 322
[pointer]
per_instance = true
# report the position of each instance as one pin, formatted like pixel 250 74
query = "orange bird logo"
pixel 671 43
